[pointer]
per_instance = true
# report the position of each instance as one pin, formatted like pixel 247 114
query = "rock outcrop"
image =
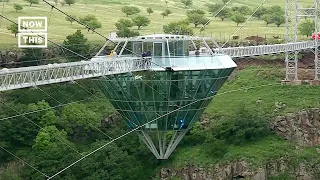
pixel 8 59
pixel 241 170
pixel 302 127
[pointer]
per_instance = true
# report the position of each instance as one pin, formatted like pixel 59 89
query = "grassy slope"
pixel 296 97
pixel 109 11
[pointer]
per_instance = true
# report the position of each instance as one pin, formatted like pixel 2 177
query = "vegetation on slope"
pixel 108 12
pixel 231 134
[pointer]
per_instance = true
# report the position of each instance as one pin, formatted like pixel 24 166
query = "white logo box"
pixel 43 35
pixel 21 19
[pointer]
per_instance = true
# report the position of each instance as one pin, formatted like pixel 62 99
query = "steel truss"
pixel 294 12
pixel 17 78
pixel 158 144
pixel 265 49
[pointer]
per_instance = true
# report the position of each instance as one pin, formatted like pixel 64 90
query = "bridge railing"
pixel 265 49
pixel 16 78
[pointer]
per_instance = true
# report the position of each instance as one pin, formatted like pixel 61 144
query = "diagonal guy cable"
pixel 245 22
pixel 85 120
pixel 129 132
pixel 39 126
pixel 88 27
pixel 48 39
pixel 225 5
pixel 24 161
pixel 2 13
pixel 40 110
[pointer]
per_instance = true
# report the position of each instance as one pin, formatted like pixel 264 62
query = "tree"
pixel 245 10
pixel 178 27
pixel 187 2
pixel 47 118
pixel 140 21
pixel 49 137
pixel 91 21
pixel 196 19
pixel 278 19
pixel 77 43
pixel 126 32
pixel 17 7
pixel 122 23
pixel 196 11
pixel 168 11
pixel 33 2
pixel 69 2
pixel 13 28
pixel 50 150
pixel 93 25
pixel 130 10
pixel 238 18
pixel 267 18
pixel 113 163
pixel 214 8
pixel 71 20
pixel 275 9
pixel 166 2
pixel 260 12
pixel 78 121
pixel 88 18
pixel 224 13
pixel 307 27
pixel 164 14
pixel 62 3
pixel 149 10
pixel 225 1
pixel 32 56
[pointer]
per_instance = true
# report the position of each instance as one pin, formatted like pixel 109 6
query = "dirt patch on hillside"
pixel 305 65
pixel 255 38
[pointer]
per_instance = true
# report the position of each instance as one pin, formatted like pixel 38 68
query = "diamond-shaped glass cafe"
pixel 167 98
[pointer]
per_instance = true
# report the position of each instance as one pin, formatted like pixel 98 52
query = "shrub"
pixel 244 127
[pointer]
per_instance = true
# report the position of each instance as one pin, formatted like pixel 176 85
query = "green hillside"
pixel 198 147
pixel 51 126
pixel 109 11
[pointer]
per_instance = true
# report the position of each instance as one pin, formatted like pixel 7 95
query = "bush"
pixel 214 147
pixel 244 127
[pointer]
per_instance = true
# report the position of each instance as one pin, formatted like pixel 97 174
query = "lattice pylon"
pixel 293 13
pixel 316 51
pixel 291 58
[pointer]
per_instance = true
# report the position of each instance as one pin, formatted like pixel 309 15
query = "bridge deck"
pixel 17 78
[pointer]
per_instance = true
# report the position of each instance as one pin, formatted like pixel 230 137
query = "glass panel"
pixel 137 48
pixel 157 49
pixel 158 93
pixel 148 46
pixel 186 63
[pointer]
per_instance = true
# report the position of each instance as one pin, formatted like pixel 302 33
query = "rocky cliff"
pixel 302 128
pixel 243 170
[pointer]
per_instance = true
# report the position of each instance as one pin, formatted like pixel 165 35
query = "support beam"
pixel 291 58
pixel 103 47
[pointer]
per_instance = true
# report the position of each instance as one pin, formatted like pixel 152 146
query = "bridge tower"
pixel 294 12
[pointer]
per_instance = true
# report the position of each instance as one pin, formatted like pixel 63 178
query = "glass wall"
pixel 158 93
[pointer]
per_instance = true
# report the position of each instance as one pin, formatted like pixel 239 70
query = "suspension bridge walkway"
pixel 17 78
